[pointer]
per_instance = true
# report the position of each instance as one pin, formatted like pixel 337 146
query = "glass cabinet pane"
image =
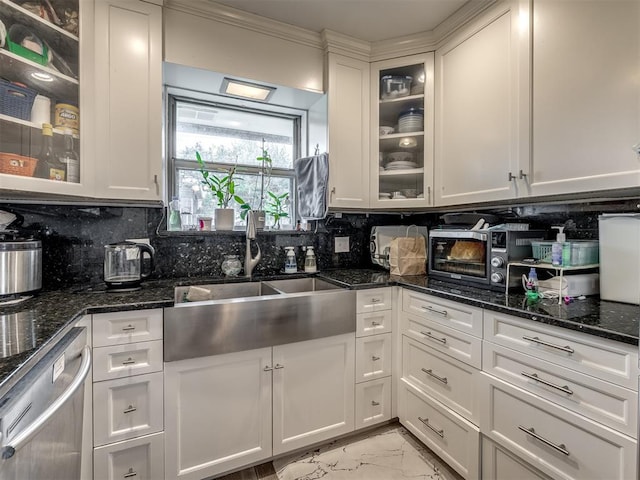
pixel 39 86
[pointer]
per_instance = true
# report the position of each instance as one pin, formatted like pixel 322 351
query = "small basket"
pixel 17 164
pixel 16 100
pixel 542 251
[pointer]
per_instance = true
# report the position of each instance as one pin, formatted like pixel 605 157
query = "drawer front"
pixel 373 402
pixel 118 328
pixel 452 438
pixel 138 459
pixel 373 357
pixel 457 344
pixel 559 442
pixel 598 357
pixel 126 360
pixel 441 377
pixel 601 401
pixel 499 464
pixel 373 300
pixel 127 408
pixel 452 314
pixel 373 323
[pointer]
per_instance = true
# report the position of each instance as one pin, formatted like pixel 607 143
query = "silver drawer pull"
pixel 530 431
pixel 433 337
pixel 437 377
pixel 374 403
pixel 129 361
pixel 267 368
pixel 278 366
pixel 130 473
pixel 130 409
pixel 440 433
pixel 374 358
pixel 535 377
pixel 435 310
pixel 566 348
pixel 375 324
pixel 375 300
pixel 128 328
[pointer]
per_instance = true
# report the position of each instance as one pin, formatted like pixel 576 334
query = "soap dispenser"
pixel 310 261
pixel 290 264
pixel 560 249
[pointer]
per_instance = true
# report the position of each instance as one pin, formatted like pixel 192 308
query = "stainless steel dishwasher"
pixel 41 416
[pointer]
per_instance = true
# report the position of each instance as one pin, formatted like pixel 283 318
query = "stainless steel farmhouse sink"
pixel 243 316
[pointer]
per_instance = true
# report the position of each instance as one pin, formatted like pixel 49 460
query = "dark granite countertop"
pixel 51 314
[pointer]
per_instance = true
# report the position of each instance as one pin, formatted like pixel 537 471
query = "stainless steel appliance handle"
pixel 537 340
pixel 23 437
pixel 530 431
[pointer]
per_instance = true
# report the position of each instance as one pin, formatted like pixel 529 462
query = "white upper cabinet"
pixel 402 132
pixel 348 92
pixel 479 120
pixel 586 96
pixel 128 103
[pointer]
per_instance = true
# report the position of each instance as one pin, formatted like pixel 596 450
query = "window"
pixel 226 135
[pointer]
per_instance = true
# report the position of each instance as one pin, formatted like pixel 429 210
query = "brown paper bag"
pixel 408 256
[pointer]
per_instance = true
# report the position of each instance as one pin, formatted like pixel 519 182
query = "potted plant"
pixel 223 189
pixel 265 182
pixel 277 207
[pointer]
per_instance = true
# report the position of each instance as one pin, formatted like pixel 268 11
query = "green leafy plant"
pixel 222 186
pixel 277 207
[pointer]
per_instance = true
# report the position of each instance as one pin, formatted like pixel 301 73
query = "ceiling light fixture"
pixel 43 77
pixel 253 91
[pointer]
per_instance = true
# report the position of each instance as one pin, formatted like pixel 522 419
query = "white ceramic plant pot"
pixel 223 218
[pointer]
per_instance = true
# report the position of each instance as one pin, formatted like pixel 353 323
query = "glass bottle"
pixel 48 165
pixel 70 158
pixel 175 222
pixel 231 265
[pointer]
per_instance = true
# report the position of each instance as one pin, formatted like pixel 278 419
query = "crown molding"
pixel 334 42
pixel 248 21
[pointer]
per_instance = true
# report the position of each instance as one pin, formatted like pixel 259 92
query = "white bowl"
pixel 400 157
pixel 385 130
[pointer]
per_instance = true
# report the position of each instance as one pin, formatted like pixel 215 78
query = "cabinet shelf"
pixel 26 123
pixel 402 173
pixel 15 13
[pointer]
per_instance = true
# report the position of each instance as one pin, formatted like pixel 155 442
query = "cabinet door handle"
pixel 535 377
pixel 374 358
pixel 530 431
pixel 522 175
pixel 278 366
pixel 129 361
pixel 537 340
pixel 130 473
pixel 130 409
pixel 426 423
pixel 429 308
pixel 375 300
pixel 267 368
pixel 128 328
pixel 511 177
pixel 374 403
pixel 429 195
pixel 433 337
pixel 437 377
pixel 375 324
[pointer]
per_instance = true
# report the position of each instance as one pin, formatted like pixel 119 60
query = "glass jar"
pixel 231 265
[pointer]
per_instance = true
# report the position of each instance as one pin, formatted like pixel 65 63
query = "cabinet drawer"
pixel 373 300
pixel 138 459
pixel 118 328
pixel 559 442
pixel 373 323
pixel 457 344
pixel 599 357
pixel 127 407
pixel 126 360
pixel 601 401
pixel 373 357
pixel 373 402
pixel 451 437
pixel 443 378
pixel 452 314
pixel 499 464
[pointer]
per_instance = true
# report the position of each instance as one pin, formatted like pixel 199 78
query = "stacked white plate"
pixel 401 165
pixel 384 196
pixel 411 122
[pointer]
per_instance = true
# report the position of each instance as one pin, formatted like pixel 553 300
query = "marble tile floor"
pixel 386 453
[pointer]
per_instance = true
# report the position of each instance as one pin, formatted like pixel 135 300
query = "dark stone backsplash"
pixel 74 236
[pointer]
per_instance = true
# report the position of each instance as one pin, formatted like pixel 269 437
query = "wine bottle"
pixel 48 165
pixel 70 159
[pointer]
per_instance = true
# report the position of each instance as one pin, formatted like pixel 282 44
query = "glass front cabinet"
pixel 40 107
pixel 402 132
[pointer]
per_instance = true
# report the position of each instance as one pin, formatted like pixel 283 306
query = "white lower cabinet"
pixel 450 436
pixel 373 402
pixel 219 410
pixel 560 443
pixel 137 459
pixel 373 357
pixel 499 464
